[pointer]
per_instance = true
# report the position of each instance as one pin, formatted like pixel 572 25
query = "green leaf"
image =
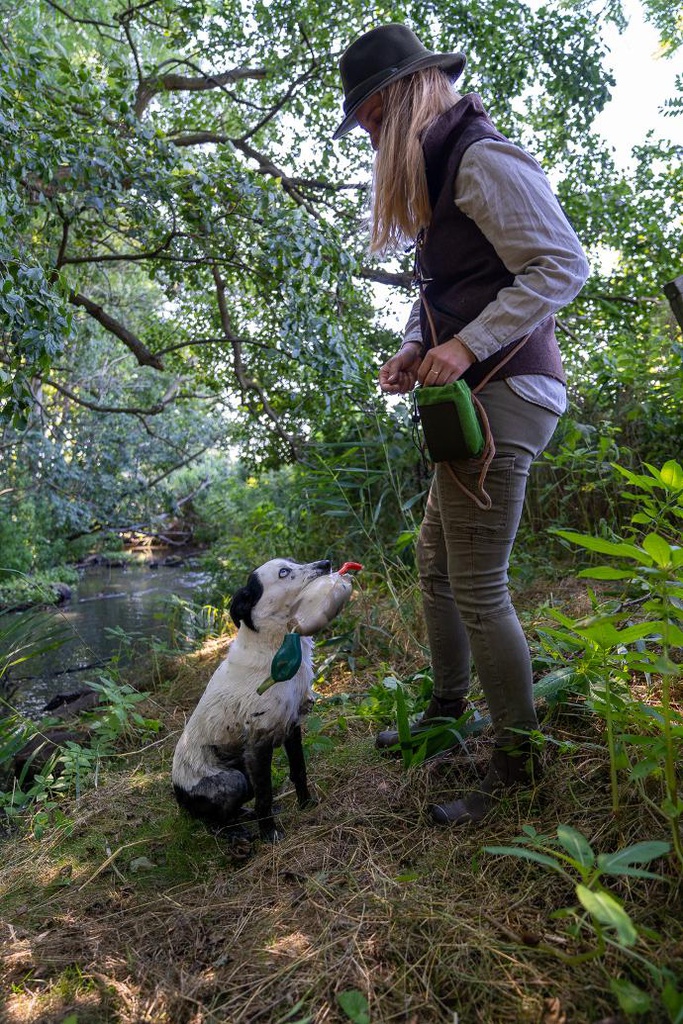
pixel 604 572
pixel 673 1000
pixel 672 475
pixel 576 845
pixel 658 548
pixel 403 727
pixel 533 855
pixel 639 853
pixel 609 912
pixel 605 547
pixel 554 685
pixel 605 634
pixel 643 483
pixel 631 998
pixel 355 1005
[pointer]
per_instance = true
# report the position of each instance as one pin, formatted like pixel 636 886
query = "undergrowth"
pixel 564 905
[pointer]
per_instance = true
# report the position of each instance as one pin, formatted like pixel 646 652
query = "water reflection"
pixel 134 600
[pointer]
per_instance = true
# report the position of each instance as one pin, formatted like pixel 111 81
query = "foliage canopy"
pixel 183 265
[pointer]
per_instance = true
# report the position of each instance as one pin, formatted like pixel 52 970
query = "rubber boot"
pixel 438 707
pixel 510 768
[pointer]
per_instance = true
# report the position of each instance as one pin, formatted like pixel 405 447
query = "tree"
pixel 179 233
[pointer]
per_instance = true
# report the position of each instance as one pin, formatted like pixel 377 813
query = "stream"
pixel 131 599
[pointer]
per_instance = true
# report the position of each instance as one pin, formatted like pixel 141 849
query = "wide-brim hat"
pixel 380 57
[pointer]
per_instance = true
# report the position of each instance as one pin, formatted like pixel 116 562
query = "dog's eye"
pixel 284 572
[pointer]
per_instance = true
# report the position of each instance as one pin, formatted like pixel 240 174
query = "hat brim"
pixel 451 63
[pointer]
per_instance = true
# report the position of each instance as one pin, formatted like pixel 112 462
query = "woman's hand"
pixel 398 375
pixel 445 363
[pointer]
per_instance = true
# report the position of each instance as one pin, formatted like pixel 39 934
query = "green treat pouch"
pixel 449 421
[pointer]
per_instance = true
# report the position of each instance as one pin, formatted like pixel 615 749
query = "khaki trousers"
pixel 463 557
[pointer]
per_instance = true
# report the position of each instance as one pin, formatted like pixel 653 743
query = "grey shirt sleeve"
pixel 412 330
pixel 505 192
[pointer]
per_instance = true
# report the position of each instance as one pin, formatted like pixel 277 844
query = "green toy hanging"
pixel 286 662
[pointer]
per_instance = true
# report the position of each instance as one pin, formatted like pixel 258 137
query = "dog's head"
pixel 289 596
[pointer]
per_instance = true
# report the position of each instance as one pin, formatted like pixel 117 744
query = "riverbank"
pixel 126 911
pixel 118 609
pixel 20 591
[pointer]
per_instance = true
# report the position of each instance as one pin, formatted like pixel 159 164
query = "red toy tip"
pixel 349 565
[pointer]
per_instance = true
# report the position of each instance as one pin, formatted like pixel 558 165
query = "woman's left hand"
pixel 445 363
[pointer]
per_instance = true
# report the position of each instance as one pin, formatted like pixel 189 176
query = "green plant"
pixel 355 1006
pixel 72 766
pixel 23 637
pixel 570 854
pixel 378 706
pixel 116 717
pixel 442 735
pixel 618 648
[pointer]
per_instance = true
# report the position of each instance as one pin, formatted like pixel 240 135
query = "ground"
pixel 127 911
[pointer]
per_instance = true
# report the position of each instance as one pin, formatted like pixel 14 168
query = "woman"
pixel 497 259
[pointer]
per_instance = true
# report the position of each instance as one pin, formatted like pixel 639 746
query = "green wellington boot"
pixel 438 707
pixel 510 768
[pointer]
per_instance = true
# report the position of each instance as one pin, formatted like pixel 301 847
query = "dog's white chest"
pixel 232 713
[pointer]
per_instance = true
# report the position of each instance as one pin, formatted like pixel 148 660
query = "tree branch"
pixel 153 84
pixel 400 279
pixel 248 383
pixel 266 166
pixel 152 410
pixel 128 257
pixel 139 350
pixel 78 21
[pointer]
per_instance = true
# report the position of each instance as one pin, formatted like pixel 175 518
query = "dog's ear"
pixel 245 600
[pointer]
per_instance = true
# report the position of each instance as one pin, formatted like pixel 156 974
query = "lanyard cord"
pixel 482 499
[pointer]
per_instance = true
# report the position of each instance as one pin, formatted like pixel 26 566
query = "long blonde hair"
pixel 399 202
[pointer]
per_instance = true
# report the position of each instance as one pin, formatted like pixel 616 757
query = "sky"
pixel 643 82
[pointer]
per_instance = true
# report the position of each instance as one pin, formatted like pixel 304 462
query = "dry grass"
pixel 135 914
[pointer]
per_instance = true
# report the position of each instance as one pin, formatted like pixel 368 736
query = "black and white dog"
pixel 223 757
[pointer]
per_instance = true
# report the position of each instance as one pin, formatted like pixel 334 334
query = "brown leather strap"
pixel 482 499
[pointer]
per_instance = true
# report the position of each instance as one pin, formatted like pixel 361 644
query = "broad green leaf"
pixel 621 862
pixel 606 547
pixel 355 1006
pixel 672 998
pixel 576 845
pixel 674 634
pixel 403 726
pixel 642 482
pixel 672 475
pixel 658 663
pixel 631 998
pixel 639 631
pixel 609 912
pixel 604 572
pixel 658 548
pixel 551 686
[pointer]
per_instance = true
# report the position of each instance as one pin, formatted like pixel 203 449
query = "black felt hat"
pixel 380 57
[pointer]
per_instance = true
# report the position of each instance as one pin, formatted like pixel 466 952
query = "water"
pixel 132 599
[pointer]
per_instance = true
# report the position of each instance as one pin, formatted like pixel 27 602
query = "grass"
pixel 132 913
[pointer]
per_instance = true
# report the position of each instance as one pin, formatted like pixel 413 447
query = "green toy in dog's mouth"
pixel 319 604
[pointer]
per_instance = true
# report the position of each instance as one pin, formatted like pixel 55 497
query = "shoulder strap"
pixel 482 500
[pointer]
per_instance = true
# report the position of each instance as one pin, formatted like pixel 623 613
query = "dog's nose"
pixel 323 566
